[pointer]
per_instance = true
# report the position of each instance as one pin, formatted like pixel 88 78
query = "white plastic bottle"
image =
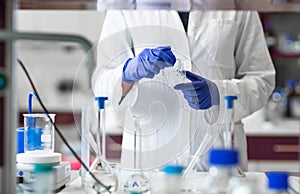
pixel 278 182
pixel 222 167
pixel 172 184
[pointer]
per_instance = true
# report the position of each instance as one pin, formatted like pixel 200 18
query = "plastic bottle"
pixel 223 164
pixel 278 182
pixel 172 183
pixel 43 179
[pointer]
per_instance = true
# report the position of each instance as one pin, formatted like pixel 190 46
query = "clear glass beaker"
pixel 39 132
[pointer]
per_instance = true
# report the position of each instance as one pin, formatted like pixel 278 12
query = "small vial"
pixel 173 179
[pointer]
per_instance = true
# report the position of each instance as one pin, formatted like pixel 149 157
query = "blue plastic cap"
pixel 223 157
pixel 269 25
pixel 278 180
pixel 101 101
pixel 291 83
pixel 229 100
pixel 170 169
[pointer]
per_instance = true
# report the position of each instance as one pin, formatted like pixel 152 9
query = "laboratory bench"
pixel 259 179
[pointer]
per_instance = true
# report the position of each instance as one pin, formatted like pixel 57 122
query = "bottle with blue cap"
pixel 222 167
pixel 173 175
pixel 278 182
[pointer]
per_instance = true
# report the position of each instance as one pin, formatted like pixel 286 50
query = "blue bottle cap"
pixel 223 157
pixel 171 169
pixel 278 180
pixel 101 101
pixel 291 83
pixel 229 100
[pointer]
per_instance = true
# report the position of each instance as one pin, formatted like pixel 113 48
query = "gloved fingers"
pixel 205 103
pixel 194 105
pixel 159 63
pixel 151 66
pixel 193 77
pixel 193 99
pixel 184 86
pixel 150 75
pixel 165 55
pixel 163 48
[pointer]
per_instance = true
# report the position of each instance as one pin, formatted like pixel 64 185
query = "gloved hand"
pixel 201 93
pixel 148 63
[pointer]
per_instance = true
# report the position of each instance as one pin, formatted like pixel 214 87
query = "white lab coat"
pixel 227 47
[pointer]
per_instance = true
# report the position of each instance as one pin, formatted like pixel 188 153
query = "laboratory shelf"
pixel 273 148
pixel 279 55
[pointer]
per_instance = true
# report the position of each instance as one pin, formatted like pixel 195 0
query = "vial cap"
pixel 229 100
pixel 223 157
pixel 101 101
pixel 171 169
pixel 291 83
pixel 278 180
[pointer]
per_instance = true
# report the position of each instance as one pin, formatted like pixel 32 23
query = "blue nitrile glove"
pixel 201 93
pixel 148 63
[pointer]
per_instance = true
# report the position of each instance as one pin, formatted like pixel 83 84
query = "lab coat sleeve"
pixel 254 79
pixel 113 49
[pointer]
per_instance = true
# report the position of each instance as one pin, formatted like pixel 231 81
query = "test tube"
pixel 101 103
pixel 229 121
pixel 86 125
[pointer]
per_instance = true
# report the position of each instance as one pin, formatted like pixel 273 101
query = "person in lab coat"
pixel 226 54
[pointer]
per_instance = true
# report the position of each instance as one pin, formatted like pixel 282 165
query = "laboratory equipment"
pixel 39 132
pixel 43 179
pixel 39 150
pixel 38 129
pixel 229 121
pixel 176 74
pixel 100 167
pixel 137 182
pixel 172 183
pixel 278 182
pixel 229 127
pixel 8 96
pixel 222 166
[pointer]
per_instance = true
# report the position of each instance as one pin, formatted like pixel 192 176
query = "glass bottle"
pixel 223 164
